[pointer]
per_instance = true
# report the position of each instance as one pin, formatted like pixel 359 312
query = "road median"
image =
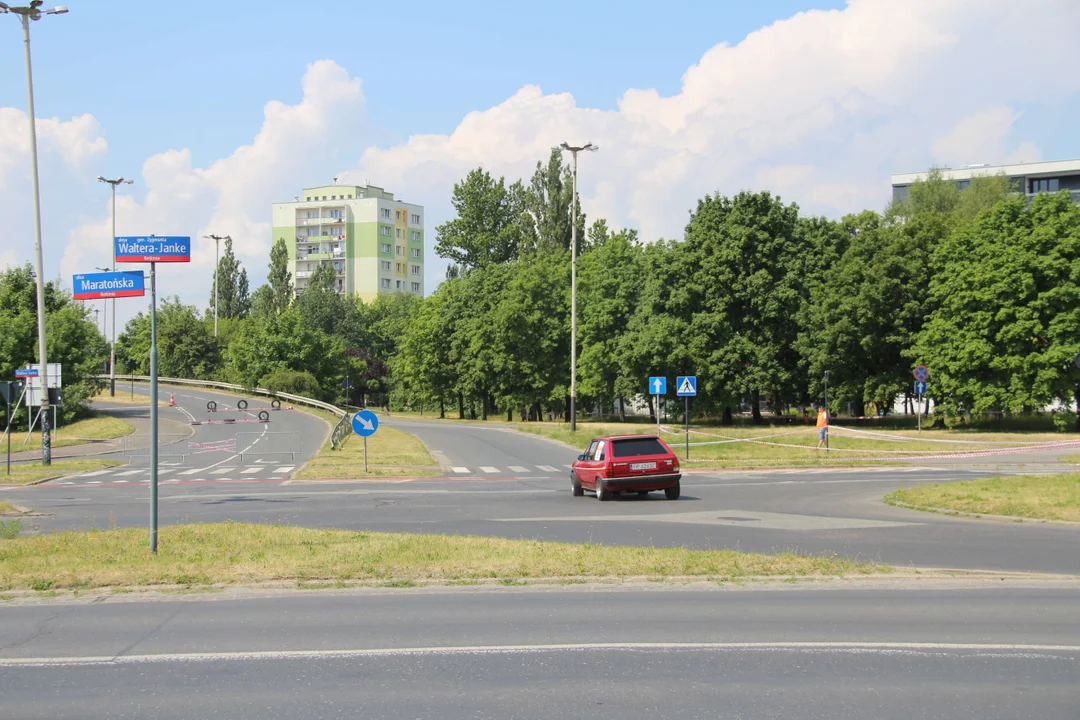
pixel 1017 497
pixel 216 554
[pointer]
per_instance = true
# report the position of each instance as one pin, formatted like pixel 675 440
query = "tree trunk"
pixel 727 419
pixel 622 410
pixel 652 412
pixel 442 408
pixel 460 406
pixel 755 406
pixel 510 413
pixel 1078 409
pixel 484 400
pixel 860 406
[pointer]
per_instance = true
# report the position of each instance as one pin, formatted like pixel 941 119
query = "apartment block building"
pixel 374 243
pixel 1028 179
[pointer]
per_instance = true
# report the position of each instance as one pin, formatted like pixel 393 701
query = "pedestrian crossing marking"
pixel 518 468
pixel 222 471
pixel 95 473
pixel 250 471
pixel 462 470
pixel 285 468
pixel 548 468
pixel 488 469
pixel 129 472
pixel 190 472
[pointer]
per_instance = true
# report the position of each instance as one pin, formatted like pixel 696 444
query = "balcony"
pixel 302 222
pixel 303 274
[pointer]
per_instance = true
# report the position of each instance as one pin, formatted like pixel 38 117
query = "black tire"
pixel 211 406
pixel 602 493
pixel 242 404
pixel 264 416
pixel 276 404
pixel 672 493
pixel 575 485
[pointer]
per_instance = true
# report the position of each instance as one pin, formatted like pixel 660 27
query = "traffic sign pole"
pixel 365 454
pixel 686 419
pixel 153 410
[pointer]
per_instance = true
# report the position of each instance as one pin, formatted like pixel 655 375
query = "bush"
pixel 10 528
pixel 293 382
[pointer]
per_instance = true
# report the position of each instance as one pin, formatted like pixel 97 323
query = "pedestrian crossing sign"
pixel 686 386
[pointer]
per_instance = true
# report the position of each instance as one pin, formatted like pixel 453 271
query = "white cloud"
pixel 821 108
pixel 75 141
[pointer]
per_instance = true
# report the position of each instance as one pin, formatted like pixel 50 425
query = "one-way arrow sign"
pixel 658 386
pixel 365 423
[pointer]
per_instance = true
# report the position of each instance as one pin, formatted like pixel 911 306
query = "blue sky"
pixel 217 110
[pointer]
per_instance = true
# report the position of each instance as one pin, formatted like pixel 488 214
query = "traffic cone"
pixel 172 400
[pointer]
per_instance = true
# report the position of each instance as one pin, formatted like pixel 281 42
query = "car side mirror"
pixel 581 457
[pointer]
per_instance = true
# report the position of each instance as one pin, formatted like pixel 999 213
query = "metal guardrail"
pixel 342 432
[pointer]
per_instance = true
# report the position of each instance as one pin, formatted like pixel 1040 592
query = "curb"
pixel 981 516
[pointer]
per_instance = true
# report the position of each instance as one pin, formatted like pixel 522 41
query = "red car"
pixel 626 463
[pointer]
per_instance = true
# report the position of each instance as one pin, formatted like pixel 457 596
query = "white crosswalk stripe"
pixel 250 471
pixel 190 472
pixel 488 469
pixel 548 468
pixel 129 472
pixel 96 473
pixel 222 471
pixel 462 470
pixel 94 482
pixel 285 468
pixel 518 468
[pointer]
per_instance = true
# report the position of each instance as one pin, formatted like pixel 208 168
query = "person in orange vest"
pixel 822 426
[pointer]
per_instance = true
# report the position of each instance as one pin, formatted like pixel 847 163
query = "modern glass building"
pixel 1027 178
pixel 374 243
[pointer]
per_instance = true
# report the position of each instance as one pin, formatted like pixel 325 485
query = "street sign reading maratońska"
pixel 96 286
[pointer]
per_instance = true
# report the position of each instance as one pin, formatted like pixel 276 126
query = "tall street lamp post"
pixel 573 283
pixel 217 248
pixel 112 242
pixel 27 13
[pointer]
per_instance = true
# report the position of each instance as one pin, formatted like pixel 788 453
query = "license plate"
pixel 643 466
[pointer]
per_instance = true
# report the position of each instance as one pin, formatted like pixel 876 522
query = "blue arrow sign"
pixel 658 386
pixel 920 387
pixel 365 423
pixel 153 248
pixel 686 385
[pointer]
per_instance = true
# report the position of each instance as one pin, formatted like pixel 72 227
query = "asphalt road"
pixel 798 652
pixel 527 495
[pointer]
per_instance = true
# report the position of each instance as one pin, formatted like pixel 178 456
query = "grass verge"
pixel 31 472
pixel 1075 459
pixel 1045 497
pixel 391 453
pixel 235 553
pixel 790 445
pixel 7 508
pixel 80 432
pixel 123 397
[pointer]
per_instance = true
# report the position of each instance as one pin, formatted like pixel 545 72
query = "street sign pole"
pixel 365 454
pixel 686 419
pixel 153 410
pixel 8 428
pixel 828 419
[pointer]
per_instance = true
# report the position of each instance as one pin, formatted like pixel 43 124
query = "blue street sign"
pixel 920 387
pixel 658 386
pixel 26 372
pixel 921 373
pixel 153 248
pixel 686 385
pixel 95 286
pixel 365 423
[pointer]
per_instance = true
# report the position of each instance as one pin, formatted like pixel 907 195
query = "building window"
pixel 415 236
pixel 350 197
pixel 385 231
pixel 414 269
pixel 415 252
pixel 386 213
pixel 1045 185
pixel 385 264
pixel 385 247
pixel 312 231
pixel 398 284
pixel 397 215
pixel 414 219
pixel 398 235
pixel 398 249
pixel 333 197
pixel 385 282
pixel 307 199
pixel 323 197
pixel 416 287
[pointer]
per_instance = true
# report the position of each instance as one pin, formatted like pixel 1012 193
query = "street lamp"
pixel 112 242
pixel 217 246
pixel 27 13
pixel 573 282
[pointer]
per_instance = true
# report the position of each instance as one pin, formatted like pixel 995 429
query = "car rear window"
pixel 637 446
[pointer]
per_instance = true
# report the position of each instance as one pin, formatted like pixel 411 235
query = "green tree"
pixel 1006 319
pixel 549 199
pixel 279 278
pixel 491 225
pixel 186 345
pixel 232 289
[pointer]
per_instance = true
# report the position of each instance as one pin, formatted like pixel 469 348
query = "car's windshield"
pixel 636 446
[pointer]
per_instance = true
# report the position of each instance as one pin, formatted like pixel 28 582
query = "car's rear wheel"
pixel 672 493
pixel 575 485
pixel 602 493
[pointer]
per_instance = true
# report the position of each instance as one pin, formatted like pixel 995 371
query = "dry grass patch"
pixel 1046 497
pixel 80 432
pixel 7 508
pixel 204 554
pixel 391 453
pixel 31 472
pixel 124 396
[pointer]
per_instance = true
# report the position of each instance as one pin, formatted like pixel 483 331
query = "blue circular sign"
pixel 365 423
pixel 921 373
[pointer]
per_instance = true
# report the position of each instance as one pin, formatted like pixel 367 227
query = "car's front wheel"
pixel 672 493
pixel 575 485
pixel 602 493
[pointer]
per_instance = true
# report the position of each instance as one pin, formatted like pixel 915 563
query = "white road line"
pixel 96 473
pixel 174 480
pixel 519 469
pixel 285 468
pixel 116 481
pixel 197 480
pixel 250 471
pixel 222 471
pixel 97 482
pixel 858 647
pixel 190 472
pixel 287 482
pixel 461 470
pixel 548 468
pixel 130 472
pixel 568 467
pixel 67 483
pixel 488 469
